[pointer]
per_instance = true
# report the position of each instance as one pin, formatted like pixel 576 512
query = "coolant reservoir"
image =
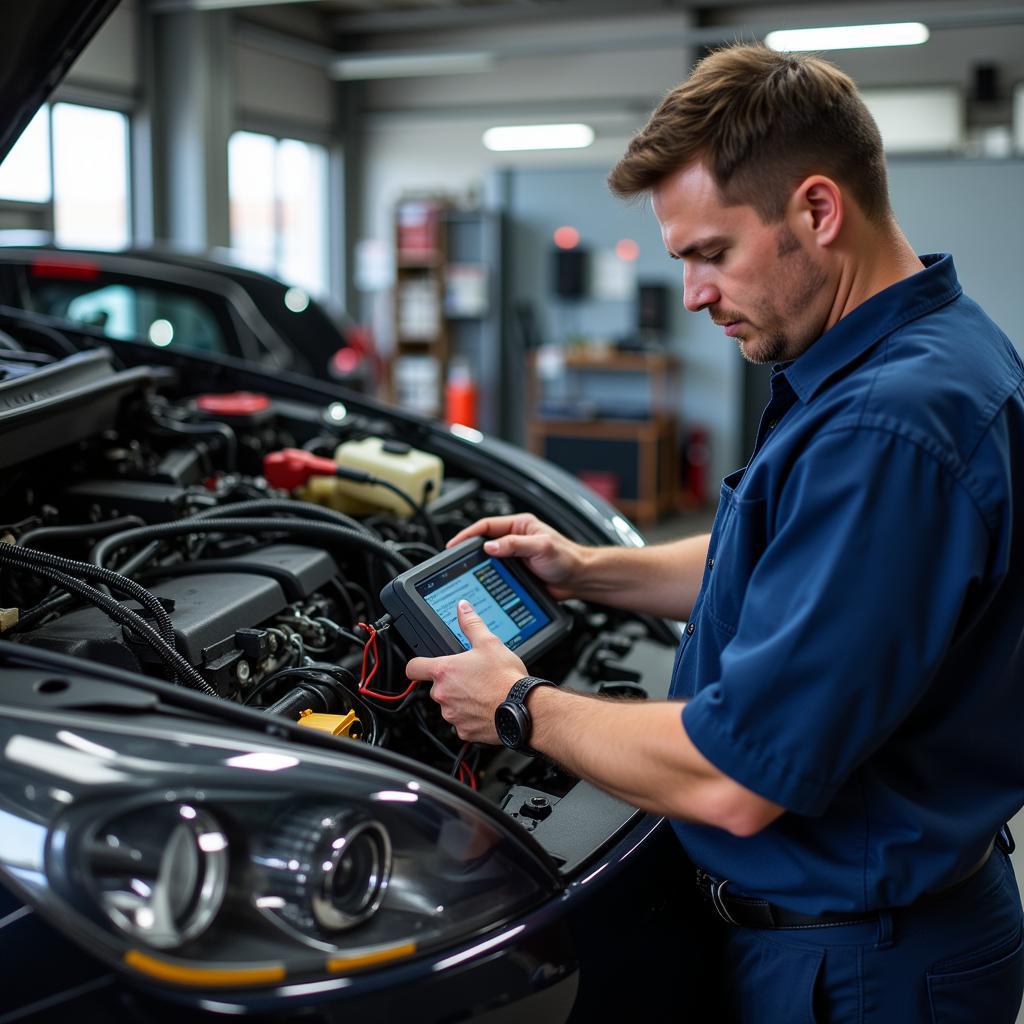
pixel 417 473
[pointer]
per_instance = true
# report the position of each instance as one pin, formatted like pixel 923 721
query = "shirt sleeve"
pixel 846 615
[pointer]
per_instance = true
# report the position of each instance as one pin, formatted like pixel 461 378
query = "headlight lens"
pixel 160 874
pixel 323 871
pixel 205 861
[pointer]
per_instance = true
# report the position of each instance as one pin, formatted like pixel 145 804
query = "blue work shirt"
pixel 856 651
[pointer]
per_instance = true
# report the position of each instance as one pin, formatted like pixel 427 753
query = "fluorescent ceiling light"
pixel 409 65
pixel 539 136
pixel 849 37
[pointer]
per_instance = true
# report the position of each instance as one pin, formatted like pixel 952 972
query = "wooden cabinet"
pixel 633 460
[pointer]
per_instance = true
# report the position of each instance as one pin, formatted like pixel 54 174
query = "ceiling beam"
pixel 685 36
pixel 519 12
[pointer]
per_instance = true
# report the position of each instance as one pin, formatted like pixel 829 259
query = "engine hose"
pixel 123 584
pixel 325 532
pixel 79 531
pixel 304 509
pixel 126 617
pixel 418 509
pixel 211 429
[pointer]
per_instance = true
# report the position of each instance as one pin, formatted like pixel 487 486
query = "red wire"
pixel 391 696
pixel 466 775
pixel 364 679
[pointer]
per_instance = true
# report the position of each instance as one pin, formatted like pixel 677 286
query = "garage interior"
pixel 343 146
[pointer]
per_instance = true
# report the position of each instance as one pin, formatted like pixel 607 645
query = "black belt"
pixel 752 912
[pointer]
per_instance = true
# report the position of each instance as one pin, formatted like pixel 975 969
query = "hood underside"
pixel 42 39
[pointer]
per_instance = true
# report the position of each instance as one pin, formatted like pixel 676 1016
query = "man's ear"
pixel 816 207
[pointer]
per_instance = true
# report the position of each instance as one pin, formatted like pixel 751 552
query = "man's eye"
pixel 714 257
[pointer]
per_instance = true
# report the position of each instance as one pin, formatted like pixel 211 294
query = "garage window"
pixel 90 176
pixel 84 187
pixel 278 195
pixel 25 174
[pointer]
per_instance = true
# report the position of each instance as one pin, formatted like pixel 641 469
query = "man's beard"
pixel 777 345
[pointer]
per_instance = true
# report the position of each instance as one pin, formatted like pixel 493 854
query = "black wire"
pixel 300 527
pixel 345 598
pixel 363 594
pixel 30 559
pixel 77 531
pixel 419 510
pixel 126 617
pixel 291 506
pixel 424 727
pixel 415 547
pixel 38 612
pixel 320 444
pixel 211 429
pixel 460 758
pixel 137 560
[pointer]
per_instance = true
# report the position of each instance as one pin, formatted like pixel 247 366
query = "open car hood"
pixel 42 40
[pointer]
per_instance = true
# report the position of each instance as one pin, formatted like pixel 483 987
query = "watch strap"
pixel 521 687
pixel 517 698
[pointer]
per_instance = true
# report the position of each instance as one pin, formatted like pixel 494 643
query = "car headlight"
pixel 213 859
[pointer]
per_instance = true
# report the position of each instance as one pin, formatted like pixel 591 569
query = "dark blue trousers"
pixel 956 959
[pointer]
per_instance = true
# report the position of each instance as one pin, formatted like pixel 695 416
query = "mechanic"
pixel 841 745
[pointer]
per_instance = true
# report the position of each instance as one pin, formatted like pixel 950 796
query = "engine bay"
pixel 145 528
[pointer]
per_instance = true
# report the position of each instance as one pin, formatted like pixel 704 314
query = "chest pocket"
pixel 742 537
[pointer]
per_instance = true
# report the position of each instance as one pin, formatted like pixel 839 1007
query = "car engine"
pixel 144 530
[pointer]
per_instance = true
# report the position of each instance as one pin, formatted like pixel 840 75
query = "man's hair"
pixel 761 122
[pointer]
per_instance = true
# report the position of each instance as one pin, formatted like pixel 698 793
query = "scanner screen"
pixel 501 600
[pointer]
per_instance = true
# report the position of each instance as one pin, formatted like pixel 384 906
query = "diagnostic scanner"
pixel 423 603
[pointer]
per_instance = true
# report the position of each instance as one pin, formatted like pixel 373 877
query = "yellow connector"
pixel 347 725
pixel 8 619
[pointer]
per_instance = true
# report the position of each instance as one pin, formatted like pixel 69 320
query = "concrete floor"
pixel 688 524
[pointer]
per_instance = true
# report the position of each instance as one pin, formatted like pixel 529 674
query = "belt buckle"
pixel 717 888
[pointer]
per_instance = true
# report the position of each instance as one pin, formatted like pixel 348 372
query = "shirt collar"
pixel 871 321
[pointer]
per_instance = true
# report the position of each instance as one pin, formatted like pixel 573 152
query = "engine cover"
pixel 207 606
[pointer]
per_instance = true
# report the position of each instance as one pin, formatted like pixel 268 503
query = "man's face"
pixel 756 280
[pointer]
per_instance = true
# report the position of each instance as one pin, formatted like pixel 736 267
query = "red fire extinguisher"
pixel 460 397
pixel 696 459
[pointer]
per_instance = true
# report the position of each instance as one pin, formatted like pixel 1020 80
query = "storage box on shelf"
pixel 630 456
pixel 421 336
pixel 447 312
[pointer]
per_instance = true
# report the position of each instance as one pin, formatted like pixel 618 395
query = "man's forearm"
pixel 662 579
pixel 639 752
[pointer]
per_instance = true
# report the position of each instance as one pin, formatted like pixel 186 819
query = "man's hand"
pixel 469 686
pixel 551 557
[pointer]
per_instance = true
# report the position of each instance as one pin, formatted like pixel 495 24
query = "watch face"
pixel 510 722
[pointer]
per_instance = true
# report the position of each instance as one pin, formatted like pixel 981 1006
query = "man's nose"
pixel 698 290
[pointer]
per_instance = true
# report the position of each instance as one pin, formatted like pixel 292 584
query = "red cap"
pixel 235 403
pixel 292 467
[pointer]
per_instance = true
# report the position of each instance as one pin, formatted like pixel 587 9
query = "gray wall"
pixel 542 200
pixel 972 208
pixel 975 210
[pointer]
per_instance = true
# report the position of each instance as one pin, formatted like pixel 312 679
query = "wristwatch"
pixel 512 720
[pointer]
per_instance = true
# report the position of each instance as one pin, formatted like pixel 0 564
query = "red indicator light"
pixel 65 270
pixel 346 360
pixel 566 237
pixel 627 250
